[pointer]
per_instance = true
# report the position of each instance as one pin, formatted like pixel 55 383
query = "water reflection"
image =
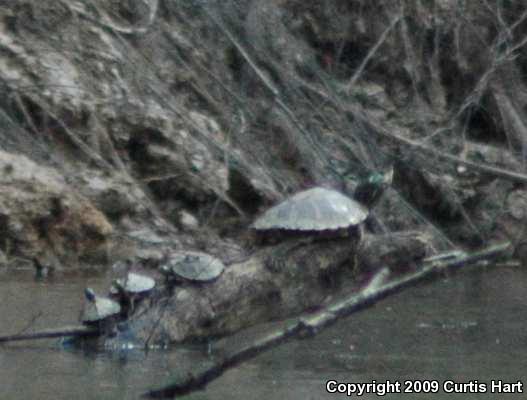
pixel 468 327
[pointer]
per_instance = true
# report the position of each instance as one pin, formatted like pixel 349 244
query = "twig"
pixel 105 20
pixel 310 325
pixel 494 171
pixel 30 323
pixel 371 53
pixel 305 137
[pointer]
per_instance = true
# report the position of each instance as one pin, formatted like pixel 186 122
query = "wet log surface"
pixel 274 282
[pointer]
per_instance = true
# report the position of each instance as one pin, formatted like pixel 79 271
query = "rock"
pixel 43 214
pixel 187 220
pixel 113 195
pixel 517 204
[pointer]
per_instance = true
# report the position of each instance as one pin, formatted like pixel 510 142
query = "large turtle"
pixel 191 266
pixel 98 310
pixel 319 209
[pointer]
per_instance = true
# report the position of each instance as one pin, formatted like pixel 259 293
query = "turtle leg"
pixel 277 259
pixel 132 306
pixel 357 235
pixel 360 233
pixel 127 305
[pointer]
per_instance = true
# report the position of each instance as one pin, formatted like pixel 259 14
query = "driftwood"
pixel 275 282
pixel 310 325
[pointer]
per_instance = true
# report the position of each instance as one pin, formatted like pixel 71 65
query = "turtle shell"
pixel 133 283
pixel 316 209
pixel 193 266
pixel 98 308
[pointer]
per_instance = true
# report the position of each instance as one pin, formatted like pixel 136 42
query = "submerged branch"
pixel 77 331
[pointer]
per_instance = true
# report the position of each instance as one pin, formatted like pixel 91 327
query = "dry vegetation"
pixel 180 121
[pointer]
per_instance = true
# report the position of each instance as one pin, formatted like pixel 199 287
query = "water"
pixel 469 327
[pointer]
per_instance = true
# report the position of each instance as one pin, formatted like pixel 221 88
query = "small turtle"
pixel 324 210
pixel 98 309
pixel 133 284
pixel 131 289
pixel 192 266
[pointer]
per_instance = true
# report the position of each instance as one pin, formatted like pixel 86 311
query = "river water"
pixel 469 327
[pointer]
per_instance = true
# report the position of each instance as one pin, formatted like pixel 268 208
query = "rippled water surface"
pixel 471 326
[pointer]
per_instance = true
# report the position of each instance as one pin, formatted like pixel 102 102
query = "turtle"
pixel 319 209
pixel 130 289
pixel 97 309
pixel 133 284
pixel 191 266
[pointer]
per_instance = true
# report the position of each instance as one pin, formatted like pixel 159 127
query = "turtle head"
pixel 370 189
pixel 165 270
pixel 90 294
pixel 117 287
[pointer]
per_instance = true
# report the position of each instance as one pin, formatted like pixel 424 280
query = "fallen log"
pixel 273 283
pixel 310 325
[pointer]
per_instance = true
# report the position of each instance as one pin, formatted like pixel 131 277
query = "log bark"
pixel 310 325
pixel 274 282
